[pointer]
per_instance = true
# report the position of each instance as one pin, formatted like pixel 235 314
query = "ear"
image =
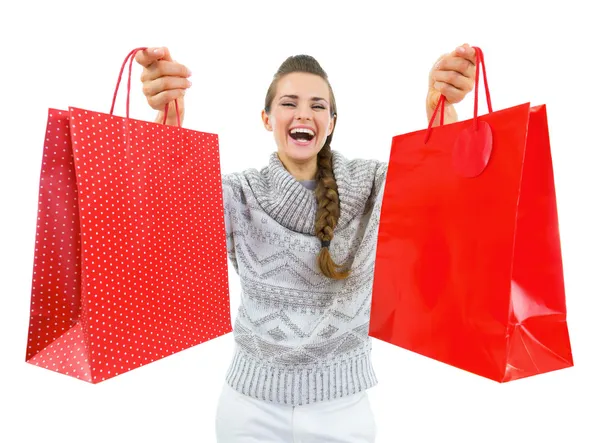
pixel 331 124
pixel 266 120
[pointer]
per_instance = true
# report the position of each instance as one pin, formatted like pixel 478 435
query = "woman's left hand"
pixel 453 75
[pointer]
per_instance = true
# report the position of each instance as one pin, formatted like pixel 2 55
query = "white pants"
pixel 242 419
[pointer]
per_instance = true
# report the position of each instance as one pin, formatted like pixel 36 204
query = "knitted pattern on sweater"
pixel 301 337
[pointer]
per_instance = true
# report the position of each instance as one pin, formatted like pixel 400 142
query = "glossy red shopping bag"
pixel 130 260
pixel 468 267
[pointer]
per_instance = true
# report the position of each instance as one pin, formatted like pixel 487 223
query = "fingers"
pixel 459 65
pixel 164 89
pixel 453 75
pixel 467 52
pixel 150 55
pixel 454 79
pixel 162 68
pixel 452 94
pixel 163 79
pixel 161 84
pixel 159 100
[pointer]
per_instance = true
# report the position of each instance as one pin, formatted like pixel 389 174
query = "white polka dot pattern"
pixel 130 262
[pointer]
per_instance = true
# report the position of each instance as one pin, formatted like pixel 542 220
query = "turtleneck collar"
pixel 294 206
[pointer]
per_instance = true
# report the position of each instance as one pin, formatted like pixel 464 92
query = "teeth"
pixel 304 130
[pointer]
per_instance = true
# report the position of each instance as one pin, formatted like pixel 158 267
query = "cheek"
pixel 279 123
pixel 324 126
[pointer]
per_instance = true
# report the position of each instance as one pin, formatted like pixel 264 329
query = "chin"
pixel 300 153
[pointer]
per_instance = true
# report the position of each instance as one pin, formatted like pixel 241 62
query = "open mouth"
pixel 302 135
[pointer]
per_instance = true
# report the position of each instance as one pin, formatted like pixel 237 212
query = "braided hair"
pixel 328 201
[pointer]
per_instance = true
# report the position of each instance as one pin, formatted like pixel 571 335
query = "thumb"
pixel 433 98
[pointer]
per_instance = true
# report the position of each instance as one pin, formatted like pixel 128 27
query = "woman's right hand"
pixel 164 81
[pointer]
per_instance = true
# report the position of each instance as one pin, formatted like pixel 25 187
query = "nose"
pixel 303 112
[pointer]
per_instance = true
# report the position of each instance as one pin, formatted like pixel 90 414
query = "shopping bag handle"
pixel 479 60
pixel 130 57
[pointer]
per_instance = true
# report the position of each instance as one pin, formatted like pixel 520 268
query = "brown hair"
pixel 328 202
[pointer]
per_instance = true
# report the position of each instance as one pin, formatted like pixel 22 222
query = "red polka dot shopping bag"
pixel 130 262
pixel 468 268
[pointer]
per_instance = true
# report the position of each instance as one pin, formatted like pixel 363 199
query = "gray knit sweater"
pixel 301 337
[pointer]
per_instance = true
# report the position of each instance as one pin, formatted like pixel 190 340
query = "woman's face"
pixel 300 117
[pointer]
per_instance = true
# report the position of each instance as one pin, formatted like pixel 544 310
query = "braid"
pixel 328 211
pixel 328 201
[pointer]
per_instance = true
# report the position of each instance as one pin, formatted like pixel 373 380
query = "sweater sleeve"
pixel 378 186
pixel 229 190
pixel 379 182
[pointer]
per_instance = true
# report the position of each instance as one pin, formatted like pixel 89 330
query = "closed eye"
pixel 293 105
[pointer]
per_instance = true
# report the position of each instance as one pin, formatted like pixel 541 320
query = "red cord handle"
pixel 130 57
pixel 478 60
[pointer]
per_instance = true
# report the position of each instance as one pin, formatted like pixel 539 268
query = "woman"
pixel 301 234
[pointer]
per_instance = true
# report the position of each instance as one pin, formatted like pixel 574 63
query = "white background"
pixel 60 54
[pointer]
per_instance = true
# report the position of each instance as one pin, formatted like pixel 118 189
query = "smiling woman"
pixel 303 121
pixel 302 362
pixel 300 98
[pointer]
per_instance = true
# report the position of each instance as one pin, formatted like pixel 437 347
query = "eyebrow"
pixel 314 99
